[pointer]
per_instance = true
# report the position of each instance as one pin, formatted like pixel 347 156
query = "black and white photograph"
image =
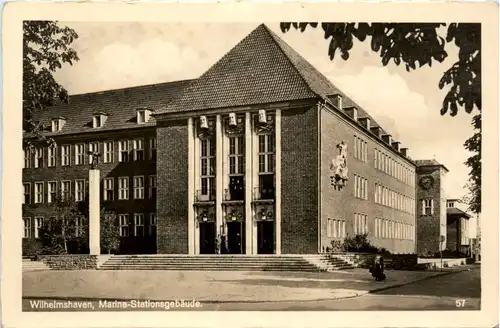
pixel 261 165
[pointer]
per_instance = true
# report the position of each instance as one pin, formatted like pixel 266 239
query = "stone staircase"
pixel 31 265
pixel 328 263
pixel 308 263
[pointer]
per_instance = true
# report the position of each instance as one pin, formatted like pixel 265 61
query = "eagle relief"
pixel 339 167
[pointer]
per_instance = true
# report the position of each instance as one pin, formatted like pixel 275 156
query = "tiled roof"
pixel 261 68
pixel 457 211
pixel 120 105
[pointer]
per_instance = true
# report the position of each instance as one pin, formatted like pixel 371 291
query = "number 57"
pixel 460 303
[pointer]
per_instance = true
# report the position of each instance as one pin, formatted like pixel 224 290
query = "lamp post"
pixel 94 206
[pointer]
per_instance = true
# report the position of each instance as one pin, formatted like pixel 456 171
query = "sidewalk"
pixel 211 286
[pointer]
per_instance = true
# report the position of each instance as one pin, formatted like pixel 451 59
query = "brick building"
pixel 261 149
pixel 459 238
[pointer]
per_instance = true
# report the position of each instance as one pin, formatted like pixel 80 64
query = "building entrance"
pixel 207 237
pixel 265 237
pixel 235 237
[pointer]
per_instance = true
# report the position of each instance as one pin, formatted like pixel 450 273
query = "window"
pixel 26 193
pixel 139 225
pixel 52 156
pixel 97 121
pixel 152 224
pixel 138 150
pixel 79 190
pixel 27 227
pixel 65 155
pixel 52 191
pixel 236 168
pixel 208 168
pixel 123 188
pixel 152 149
pixel 427 207
pixel 266 153
pixel 94 148
pixel 139 187
pixel 55 125
pixel 141 116
pixel 152 187
pixel 79 154
pixel 38 192
pixel 123 221
pixel 109 188
pixel 79 226
pixel 360 223
pixel 108 152
pixel 360 187
pixel 335 228
pixel 450 204
pixel 27 158
pixel 360 149
pixel 123 151
pixel 39 157
pixel 65 189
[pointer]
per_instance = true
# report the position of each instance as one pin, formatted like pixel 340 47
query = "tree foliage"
pixel 110 236
pixel 417 45
pixel 46 47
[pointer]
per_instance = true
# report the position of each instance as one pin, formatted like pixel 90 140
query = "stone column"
pixel 248 185
pixel 94 213
pixel 218 177
pixel 254 159
pixel 278 180
pixel 191 190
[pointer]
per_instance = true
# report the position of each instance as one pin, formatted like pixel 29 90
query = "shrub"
pixel 358 243
pixel 337 246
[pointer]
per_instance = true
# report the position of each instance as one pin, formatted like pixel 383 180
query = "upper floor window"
pixel 123 188
pixel 38 192
pixel 123 151
pixel 360 187
pixel 108 152
pixel 450 203
pixel 39 157
pixel 360 149
pixel 52 155
pixel 98 120
pixel 94 148
pixel 236 168
pixel 79 190
pixel 79 154
pixel 65 155
pixel 427 207
pixel 123 221
pixel 139 187
pixel 65 189
pixel 26 193
pixel 38 226
pixel 27 227
pixel 109 188
pixel 152 186
pixel 52 191
pixel 27 158
pixel 57 124
pixel 138 149
pixel 207 167
pixel 143 116
pixel 152 149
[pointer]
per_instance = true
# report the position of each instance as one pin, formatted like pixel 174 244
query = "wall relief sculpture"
pixel 339 167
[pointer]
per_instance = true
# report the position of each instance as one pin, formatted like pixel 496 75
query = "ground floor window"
pixel 123 221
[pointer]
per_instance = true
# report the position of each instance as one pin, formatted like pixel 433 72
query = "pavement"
pixel 215 287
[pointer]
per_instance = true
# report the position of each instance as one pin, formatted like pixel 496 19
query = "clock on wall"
pixel 426 182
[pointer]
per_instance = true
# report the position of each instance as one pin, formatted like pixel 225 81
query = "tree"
pixel 110 236
pixel 418 45
pixel 46 47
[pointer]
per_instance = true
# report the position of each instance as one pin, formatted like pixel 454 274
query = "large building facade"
pixel 261 149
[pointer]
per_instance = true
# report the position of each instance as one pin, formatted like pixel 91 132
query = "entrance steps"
pixel 308 263
pixel 31 265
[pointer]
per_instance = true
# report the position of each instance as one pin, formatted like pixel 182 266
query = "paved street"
pixel 285 291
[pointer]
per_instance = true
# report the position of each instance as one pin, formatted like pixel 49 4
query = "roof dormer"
pixel 143 115
pixel 57 124
pixel 337 101
pixel 99 119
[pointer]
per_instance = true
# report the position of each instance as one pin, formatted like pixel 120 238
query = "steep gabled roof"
pixel 260 69
pixel 453 211
pixel 120 105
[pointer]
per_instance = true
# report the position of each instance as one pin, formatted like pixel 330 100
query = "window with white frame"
pixel 97 121
pixel 38 226
pixel 38 192
pixel 207 167
pixel 360 223
pixel 427 207
pixel 56 127
pixel 108 152
pixel 138 149
pixel 236 156
pixel 26 193
pixel 39 157
pixel 152 187
pixel 139 225
pixel 27 228
pixel 141 116
pixel 51 191
pixel 65 155
pixel 27 158
pixel 52 155
pixel 360 187
pixel 109 189
pixel 79 190
pixel 360 149
pixel 266 165
pixel 79 154
pixel 123 151
pixel 123 222
pixel 79 226
pixel 65 189
pixel 152 224
pixel 123 186
pixel 139 187
pixel 94 148
pixel 152 149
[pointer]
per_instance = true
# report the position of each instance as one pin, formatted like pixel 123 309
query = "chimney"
pixel 337 101
pixel 376 130
pixel 352 112
pixel 387 138
pixel 396 145
pixel 404 152
pixel 365 122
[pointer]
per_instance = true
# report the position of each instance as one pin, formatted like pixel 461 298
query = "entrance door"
pixel 265 237
pixel 207 237
pixel 235 237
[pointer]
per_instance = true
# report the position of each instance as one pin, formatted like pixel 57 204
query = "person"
pixel 217 244
pixel 223 245
pixel 377 268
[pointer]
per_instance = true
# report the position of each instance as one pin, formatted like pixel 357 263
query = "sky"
pixel 407 104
